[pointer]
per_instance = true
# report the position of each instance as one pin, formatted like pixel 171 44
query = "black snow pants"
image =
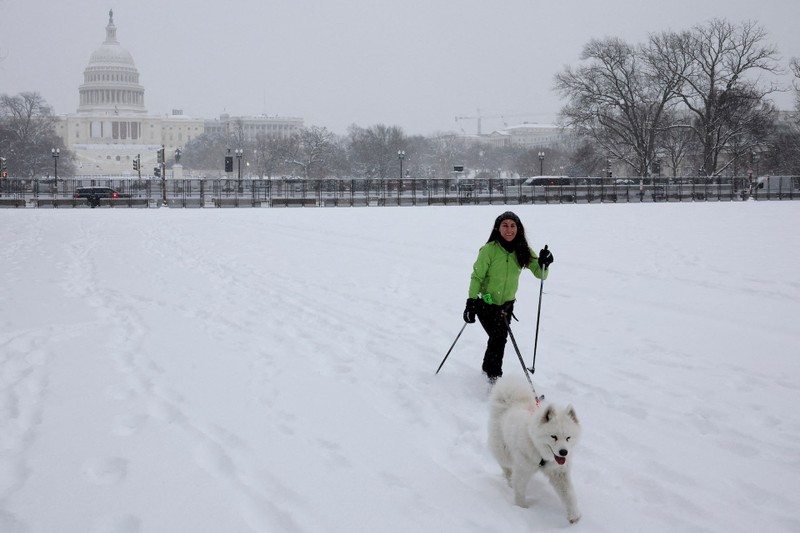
pixel 495 320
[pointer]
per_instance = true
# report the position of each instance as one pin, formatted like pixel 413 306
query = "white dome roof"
pixel 111 55
pixel 111 80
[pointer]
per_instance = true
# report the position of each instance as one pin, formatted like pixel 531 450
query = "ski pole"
pixel 538 315
pixel 451 347
pixel 524 368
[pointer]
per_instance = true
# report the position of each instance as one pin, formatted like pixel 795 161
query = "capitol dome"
pixel 110 54
pixel 111 80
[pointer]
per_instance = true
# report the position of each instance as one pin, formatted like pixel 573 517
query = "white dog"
pixel 524 438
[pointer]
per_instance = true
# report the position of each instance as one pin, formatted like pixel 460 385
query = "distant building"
pixel 111 126
pixel 524 135
pixel 253 126
pixel 529 136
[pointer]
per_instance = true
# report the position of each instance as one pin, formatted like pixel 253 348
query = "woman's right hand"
pixel 471 309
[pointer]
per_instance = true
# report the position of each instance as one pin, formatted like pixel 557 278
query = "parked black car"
pixel 94 194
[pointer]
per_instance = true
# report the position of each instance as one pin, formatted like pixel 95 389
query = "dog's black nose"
pixel 563 452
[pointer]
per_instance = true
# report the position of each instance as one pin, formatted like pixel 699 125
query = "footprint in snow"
pixel 119 392
pixel 11 524
pixel 116 524
pixel 127 425
pixel 107 471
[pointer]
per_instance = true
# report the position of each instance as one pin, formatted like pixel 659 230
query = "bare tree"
pixel 270 154
pixel 723 60
pixel 783 149
pixel 782 156
pixel 27 136
pixel 311 150
pixel 586 160
pixel 205 152
pixel 677 143
pixel 619 100
pixel 795 67
pixel 339 165
pixel 373 151
pixel 749 121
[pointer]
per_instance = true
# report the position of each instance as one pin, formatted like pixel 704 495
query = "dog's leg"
pixel 507 474
pixel 562 483
pixel 520 476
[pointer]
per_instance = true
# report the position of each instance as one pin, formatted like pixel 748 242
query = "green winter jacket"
pixel 496 273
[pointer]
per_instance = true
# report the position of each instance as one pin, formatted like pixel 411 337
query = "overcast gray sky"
pixel 416 64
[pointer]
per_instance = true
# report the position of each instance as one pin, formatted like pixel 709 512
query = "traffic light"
pixel 136 164
pixel 161 155
pixel 157 172
pixel 228 163
pixel 2 163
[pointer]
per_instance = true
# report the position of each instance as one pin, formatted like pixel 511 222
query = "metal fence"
pixel 286 192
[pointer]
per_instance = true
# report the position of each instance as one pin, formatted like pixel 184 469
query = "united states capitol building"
pixel 111 126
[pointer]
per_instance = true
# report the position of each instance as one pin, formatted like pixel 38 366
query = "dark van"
pixel 94 194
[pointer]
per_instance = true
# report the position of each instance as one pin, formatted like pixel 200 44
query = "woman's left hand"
pixel 545 257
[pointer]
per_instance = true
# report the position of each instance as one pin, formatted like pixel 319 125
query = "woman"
pixel 494 282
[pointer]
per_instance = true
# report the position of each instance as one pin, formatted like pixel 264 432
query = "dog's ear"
pixel 571 414
pixel 549 414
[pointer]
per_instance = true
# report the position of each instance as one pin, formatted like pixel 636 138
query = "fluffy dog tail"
pixel 508 392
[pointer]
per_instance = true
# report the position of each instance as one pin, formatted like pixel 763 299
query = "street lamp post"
pixel 541 163
pixel 239 152
pixel 401 154
pixel 56 152
pixel 177 168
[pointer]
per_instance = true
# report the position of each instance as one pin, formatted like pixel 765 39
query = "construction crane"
pixel 480 117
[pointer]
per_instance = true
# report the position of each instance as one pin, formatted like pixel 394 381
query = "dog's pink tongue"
pixel 560 460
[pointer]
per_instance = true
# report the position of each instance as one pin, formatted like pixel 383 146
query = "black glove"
pixel 545 257
pixel 471 309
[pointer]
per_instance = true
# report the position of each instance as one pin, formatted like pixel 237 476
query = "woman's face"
pixel 508 229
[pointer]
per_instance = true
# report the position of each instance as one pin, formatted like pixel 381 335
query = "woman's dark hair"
pixel 519 245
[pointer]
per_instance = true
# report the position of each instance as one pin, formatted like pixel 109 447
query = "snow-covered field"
pixel 273 370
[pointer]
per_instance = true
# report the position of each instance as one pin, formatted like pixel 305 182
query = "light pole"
pixel 401 154
pixel 177 168
pixel 56 152
pixel 239 152
pixel 161 159
pixel 541 163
